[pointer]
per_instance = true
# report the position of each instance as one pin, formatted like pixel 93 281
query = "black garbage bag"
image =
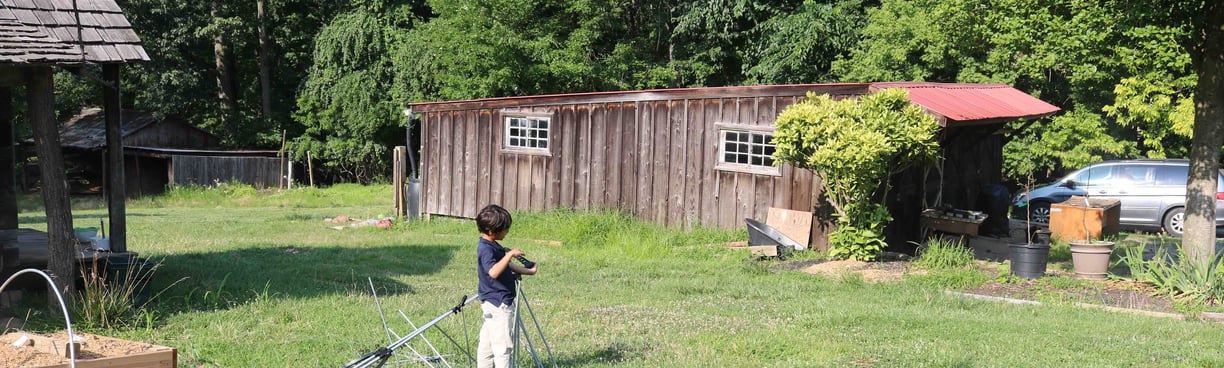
pixel 995 201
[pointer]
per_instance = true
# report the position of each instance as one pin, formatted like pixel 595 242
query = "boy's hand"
pixel 515 252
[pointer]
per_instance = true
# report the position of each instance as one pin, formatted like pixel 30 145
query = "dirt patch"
pixel 38 354
pixel 891 267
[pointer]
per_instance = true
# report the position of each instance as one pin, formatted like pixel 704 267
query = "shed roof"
pixel 58 31
pixel 87 130
pixel 976 103
pixel 959 103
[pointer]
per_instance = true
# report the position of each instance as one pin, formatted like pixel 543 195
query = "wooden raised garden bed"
pixel 93 351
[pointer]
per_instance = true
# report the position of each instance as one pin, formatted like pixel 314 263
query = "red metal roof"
pixel 976 103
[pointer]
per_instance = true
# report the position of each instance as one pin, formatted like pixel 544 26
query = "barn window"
pixel 527 134
pixel 746 149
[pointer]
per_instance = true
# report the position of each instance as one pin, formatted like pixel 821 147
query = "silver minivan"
pixel 1152 193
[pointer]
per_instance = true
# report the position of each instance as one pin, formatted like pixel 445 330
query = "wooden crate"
pixel 1069 218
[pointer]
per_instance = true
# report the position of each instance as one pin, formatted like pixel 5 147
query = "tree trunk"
pixel 1199 238
pixel 265 64
pixel 8 162
pixel 61 259
pixel 225 73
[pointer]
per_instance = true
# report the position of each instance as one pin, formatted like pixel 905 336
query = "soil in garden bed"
pixel 91 347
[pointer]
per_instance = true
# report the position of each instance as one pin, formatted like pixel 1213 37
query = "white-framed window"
pixel 527 134
pixel 747 149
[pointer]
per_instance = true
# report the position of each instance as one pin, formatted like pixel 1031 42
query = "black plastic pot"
pixel 1029 260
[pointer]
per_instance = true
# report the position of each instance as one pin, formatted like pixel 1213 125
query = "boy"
pixel 497 275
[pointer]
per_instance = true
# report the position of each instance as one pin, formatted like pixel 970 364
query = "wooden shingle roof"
pixel 47 31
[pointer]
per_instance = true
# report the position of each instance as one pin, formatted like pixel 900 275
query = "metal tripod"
pixel 520 329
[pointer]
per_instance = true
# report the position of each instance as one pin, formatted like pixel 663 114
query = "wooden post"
pixel 8 162
pixel 40 110
pixel 398 173
pixel 310 168
pixel 280 181
pixel 116 189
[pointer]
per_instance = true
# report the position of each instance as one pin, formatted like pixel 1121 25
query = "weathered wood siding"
pixel 171 133
pixel 652 158
pixel 260 172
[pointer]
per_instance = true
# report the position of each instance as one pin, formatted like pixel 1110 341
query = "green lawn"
pixel 262 281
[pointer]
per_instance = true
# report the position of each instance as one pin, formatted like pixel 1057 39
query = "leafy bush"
pixel 1178 276
pixel 861 244
pixel 943 254
pixel 854 145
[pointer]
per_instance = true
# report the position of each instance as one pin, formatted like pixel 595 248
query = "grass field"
pixel 260 280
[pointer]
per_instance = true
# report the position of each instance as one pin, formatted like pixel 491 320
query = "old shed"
pixel 686 157
pixel 158 152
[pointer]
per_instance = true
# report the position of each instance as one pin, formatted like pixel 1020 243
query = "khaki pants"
pixel 496 344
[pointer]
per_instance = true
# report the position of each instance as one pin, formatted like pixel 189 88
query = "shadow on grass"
pixel 210 281
pixel 615 353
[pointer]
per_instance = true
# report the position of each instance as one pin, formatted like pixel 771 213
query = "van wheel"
pixel 1175 222
pixel 1039 211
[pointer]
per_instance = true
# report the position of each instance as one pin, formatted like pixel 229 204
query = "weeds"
pixel 944 254
pixel 1178 277
pixel 115 297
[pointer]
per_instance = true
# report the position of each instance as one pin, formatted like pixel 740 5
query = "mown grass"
pixel 266 283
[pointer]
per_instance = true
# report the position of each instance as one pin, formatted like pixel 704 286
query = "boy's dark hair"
pixel 493 219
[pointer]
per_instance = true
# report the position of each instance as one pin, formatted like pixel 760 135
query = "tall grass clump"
pixel 943 254
pixel 112 298
pixel 1177 276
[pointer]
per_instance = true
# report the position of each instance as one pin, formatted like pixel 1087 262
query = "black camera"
pixel 526 263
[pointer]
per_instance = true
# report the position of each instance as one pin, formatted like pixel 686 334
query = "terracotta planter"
pixel 1091 258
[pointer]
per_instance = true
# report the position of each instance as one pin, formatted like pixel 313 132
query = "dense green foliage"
pixel 855 145
pixel 1121 82
pixel 340 71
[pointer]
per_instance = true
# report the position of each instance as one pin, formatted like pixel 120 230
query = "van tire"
pixel 1039 211
pixel 1175 222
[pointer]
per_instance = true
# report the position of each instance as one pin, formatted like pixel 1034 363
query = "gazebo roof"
pixel 66 32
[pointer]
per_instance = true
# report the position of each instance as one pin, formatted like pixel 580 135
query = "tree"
pixel 855 146
pixel 347 102
pixel 800 46
pixel 1205 22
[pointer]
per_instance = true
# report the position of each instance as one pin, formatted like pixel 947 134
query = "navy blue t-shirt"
pixel 499 291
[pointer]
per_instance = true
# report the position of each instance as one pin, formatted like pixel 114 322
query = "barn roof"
pixel 961 104
pixel 87 130
pixel 62 31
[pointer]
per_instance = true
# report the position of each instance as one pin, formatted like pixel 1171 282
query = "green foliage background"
pixel 341 70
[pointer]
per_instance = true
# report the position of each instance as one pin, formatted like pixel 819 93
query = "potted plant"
pixel 1090 258
pixel 1030 256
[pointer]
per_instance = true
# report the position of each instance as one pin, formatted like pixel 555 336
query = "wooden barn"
pixel 687 157
pixel 157 152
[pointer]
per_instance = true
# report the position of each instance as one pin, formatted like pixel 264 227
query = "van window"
pixel 1172 175
pixel 1136 174
pixel 1093 176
